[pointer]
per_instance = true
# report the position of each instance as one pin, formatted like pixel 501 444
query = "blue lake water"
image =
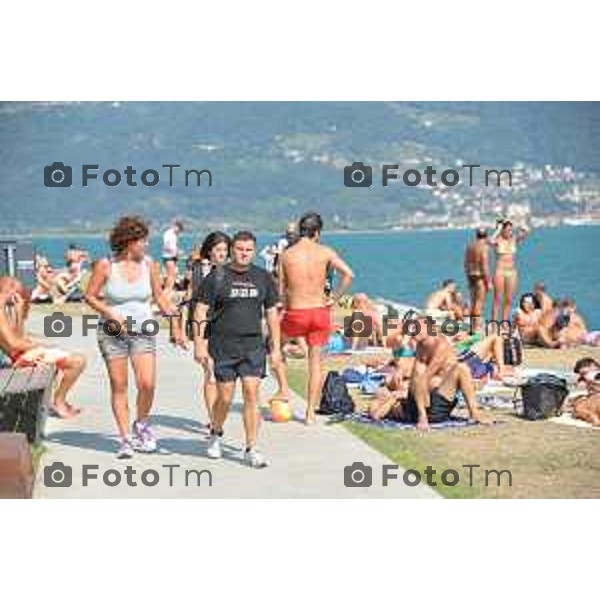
pixel 406 266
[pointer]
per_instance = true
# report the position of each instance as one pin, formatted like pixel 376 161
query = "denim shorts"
pixel 124 345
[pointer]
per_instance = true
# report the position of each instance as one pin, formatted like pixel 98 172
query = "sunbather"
pixel 446 299
pixel 527 319
pixel 436 377
pixel 587 408
pixel 484 355
pixel 543 301
pixel 23 351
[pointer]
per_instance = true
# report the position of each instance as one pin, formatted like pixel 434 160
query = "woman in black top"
pixel 214 252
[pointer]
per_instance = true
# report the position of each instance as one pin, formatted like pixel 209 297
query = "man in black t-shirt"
pixel 233 299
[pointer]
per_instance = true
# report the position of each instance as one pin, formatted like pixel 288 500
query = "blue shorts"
pixel 254 364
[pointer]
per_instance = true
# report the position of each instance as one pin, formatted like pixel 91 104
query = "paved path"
pixel 306 462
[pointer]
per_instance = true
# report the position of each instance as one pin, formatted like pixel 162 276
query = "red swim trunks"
pixel 313 324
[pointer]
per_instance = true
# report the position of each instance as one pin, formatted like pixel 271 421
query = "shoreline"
pixel 58 234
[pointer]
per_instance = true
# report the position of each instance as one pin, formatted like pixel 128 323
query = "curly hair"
pixel 128 229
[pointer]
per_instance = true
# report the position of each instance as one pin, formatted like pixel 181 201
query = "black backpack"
pixel 335 398
pixel 543 396
pixel 513 351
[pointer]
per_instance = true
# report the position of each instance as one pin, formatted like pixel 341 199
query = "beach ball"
pixel 280 411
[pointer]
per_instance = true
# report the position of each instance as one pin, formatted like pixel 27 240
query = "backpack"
pixel 335 398
pixel 513 351
pixel 221 289
pixel 543 396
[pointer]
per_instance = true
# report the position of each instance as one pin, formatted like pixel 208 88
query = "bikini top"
pixel 506 246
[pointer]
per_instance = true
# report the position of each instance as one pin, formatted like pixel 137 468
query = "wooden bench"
pixel 16 468
pixel 25 395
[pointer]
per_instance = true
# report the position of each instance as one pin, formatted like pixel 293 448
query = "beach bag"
pixel 352 376
pixel 371 383
pixel 335 398
pixel 543 396
pixel 336 343
pixel 513 351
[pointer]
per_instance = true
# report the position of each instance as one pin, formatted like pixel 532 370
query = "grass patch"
pixel 546 460
pixel 37 450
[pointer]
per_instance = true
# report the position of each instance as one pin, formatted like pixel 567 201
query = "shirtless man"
pixel 436 377
pixel 587 408
pixel 543 299
pixel 307 309
pixel 23 351
pixel 478 274
pixel 445 299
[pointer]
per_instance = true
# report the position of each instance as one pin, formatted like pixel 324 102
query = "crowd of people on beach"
pixel 239 317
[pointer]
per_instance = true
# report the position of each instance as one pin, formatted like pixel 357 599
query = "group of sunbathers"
pixel 58 286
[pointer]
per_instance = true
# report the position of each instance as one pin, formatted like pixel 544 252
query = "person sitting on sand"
pixel 478 274
pixel 446 299
pixel 436 377
pixel 67 284
pixel 587 407
pixel 543 301
pixel 576 331
pixel 24 352
pixel 552 325
pixel 366 315
pixel 45 282
pixel 527 319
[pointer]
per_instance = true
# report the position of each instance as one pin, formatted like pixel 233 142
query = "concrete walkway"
pixel 306 462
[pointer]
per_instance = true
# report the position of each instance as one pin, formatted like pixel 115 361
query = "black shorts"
pixel 439 408
pixel 253 364
pixel 167 259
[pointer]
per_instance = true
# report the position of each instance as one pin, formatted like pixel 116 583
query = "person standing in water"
pixel 121 290
pixel 505 241
pixel 478 274
pixel 307 312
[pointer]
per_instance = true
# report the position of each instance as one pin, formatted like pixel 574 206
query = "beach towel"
pixel 569 419
pixel 452 423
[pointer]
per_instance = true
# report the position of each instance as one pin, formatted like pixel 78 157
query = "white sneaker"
pixel 125 449
pixel 253 458
pixel 214 446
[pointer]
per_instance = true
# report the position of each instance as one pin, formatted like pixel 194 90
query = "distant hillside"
pixel 272 161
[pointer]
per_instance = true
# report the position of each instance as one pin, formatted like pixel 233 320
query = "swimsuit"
pixel 313 324
pixel 507 248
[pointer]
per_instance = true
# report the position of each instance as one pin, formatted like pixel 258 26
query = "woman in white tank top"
pixel 121 290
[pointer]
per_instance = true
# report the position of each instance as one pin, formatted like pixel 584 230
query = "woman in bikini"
pixel 505 241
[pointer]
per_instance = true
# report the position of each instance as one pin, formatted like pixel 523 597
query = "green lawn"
pixel 546 460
